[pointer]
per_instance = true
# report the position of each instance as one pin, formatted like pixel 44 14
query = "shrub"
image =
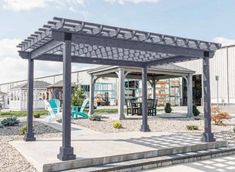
pixel 10 121
pixel 196 112
pixel 23 130
pixel 117 125
pixel 192 127
pixel 168 108
pixel 95 118
pixel 78 96
pixel 37 115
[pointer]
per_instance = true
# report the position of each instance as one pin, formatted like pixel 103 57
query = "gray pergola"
pixel 154 73
pixel 68 41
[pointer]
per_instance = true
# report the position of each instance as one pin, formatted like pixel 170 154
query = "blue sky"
pixel 211 20
pixel 203 19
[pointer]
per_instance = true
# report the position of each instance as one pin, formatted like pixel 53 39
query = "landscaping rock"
pixel 11 159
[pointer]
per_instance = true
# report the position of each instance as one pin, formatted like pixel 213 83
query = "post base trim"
pixel 66 153
pixel 208 137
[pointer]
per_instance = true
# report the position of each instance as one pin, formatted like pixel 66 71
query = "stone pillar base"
pixel 66 153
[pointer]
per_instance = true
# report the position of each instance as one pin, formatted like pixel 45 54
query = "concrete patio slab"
pixel 98 148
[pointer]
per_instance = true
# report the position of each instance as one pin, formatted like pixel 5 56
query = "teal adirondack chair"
pixel 77 112
pixel 53 107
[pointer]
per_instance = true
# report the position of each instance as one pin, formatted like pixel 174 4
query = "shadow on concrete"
pixel 166 141
pixel 223 164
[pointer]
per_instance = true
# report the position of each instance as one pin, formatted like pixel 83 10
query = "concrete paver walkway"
pixel 222 164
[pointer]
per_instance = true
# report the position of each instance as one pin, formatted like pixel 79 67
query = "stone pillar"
pixel 208 136
pixel 121 91
pixel 144 126
pixel 189 96
pixel 66 151
pixel 92 90
pixel 29 136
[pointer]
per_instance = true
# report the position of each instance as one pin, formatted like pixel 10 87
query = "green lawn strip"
pixel 22 113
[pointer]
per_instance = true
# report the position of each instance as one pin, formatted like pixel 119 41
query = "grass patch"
pixel 106 111
pixel 192 127
pixel 98 111
pixel 22 113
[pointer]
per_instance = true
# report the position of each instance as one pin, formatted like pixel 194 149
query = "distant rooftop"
pixel 37 84
pixel 59 84
pixel 165 68
pixel 2 93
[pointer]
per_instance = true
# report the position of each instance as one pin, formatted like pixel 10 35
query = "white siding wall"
pixel 218 66
pixel 231 73
pixel 21 103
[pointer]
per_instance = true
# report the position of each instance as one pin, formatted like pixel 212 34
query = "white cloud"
pixel 8 48
pixel 14 68
pixel 23 5
pixel 224 41
pixel 27 5
pixel 71 5
pixel 132 1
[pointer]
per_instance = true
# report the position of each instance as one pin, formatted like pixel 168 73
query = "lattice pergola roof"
pixel 108 45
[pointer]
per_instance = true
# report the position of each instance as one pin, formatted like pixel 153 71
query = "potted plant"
pixel 168 108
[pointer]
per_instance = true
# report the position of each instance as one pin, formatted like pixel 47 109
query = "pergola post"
pixel 154 88
pixel 208 136
pixel 189 96
pixel 29 136
pixel 144 126
pixel 66 151
pixel 92 90
pixel 121 90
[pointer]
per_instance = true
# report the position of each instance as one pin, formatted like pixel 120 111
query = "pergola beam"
pixel 81 59
pixel 78 38
pixel 45 48
pixel 173 59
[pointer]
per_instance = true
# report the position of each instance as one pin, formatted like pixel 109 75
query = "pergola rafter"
pixel 108 40
pixel 72 41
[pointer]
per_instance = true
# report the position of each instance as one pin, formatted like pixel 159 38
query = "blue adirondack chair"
pixel 53 107
pixel 77 112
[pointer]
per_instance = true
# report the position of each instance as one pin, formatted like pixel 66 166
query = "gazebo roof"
pixel 158 72
pixel 108 45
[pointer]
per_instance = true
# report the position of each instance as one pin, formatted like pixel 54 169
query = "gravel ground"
pixel 10 159
pixel 155 124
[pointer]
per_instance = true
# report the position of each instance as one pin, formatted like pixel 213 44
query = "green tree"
pixel 78 96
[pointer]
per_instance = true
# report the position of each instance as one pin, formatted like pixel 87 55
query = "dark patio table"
pixel 151 107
